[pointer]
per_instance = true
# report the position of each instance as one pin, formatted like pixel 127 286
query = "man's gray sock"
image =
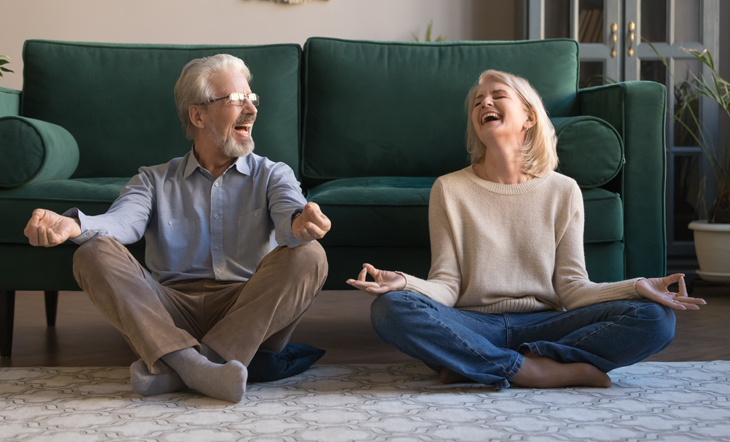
pixel 225 382
pixel 211 354
pixel 148 384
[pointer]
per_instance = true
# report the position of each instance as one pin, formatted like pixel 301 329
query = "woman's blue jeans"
pixel 488 348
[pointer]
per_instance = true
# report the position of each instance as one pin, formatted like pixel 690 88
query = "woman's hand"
pixel 656 289
pixel 385 281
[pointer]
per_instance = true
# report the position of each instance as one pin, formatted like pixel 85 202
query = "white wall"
pixel 234 22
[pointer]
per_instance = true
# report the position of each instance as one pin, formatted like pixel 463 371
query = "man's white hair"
pixel 193 87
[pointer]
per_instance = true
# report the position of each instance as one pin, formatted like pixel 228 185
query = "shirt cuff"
pixel 84 220
pixel 291 240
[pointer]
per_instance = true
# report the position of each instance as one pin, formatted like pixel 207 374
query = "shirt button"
pixel 218 270
pixel 255 214
pixel 216 247
pixel 169 222
pixel 216 184
pixel 215 216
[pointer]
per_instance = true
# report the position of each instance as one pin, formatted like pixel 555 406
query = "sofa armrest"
pixel 9 102
pixel 637 110
pixel 33 151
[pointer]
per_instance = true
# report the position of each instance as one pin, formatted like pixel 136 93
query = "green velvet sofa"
pixel 367 127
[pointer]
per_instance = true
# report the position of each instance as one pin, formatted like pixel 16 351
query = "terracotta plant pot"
pixel 712 244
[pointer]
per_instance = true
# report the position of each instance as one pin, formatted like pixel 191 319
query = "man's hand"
pixel 311 224
pixel 655 289
pixel 385 281
pixel 48 229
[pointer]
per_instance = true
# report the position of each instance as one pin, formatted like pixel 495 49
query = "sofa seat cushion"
pixel 92 195
pixel 378 211
pixel 390 211
pixel 604 216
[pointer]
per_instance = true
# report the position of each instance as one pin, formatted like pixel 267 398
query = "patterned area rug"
pixel 681 401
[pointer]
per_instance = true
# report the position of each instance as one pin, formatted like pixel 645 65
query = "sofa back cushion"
pixel 398 109
pixel 117 100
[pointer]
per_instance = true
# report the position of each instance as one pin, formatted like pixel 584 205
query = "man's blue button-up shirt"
pixel 199 226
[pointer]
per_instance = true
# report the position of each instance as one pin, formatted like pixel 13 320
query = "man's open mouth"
pixel 244 128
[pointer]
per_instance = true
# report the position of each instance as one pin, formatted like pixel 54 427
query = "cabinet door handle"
pixel 632 37
pixel 614 38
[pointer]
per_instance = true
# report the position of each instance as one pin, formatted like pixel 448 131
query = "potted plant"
pixel 4 62
pixel 712 235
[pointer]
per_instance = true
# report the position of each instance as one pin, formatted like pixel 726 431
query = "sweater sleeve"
pixel 570 278
pixel 444 279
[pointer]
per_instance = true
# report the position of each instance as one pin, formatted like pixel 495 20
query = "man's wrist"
pixel 76 232
pixel 295 214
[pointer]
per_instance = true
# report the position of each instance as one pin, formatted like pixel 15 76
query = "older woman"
pixel 508 297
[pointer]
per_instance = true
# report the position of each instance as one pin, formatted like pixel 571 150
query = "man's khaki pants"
pixel 233 318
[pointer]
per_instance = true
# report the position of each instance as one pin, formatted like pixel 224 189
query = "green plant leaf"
pixel 2 62
pixel 690 90
pixel 415 37
pixel 428 31
pixel 6 70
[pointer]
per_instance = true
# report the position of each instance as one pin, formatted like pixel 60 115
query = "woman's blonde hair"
pixel 539 151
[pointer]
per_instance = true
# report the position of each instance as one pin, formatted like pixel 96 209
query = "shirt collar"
pixel 192 163
pixel 241 164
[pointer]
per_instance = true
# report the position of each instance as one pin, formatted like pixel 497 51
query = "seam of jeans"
pixel 621 318
pixel 570 313
pixel 475 351
pixel 534 349
pixel 473 315
pixel 512 372
pixel 507 337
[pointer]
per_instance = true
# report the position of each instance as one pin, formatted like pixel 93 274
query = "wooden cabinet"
pixel 613 36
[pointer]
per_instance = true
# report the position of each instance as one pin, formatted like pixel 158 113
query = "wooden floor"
pixel 338 322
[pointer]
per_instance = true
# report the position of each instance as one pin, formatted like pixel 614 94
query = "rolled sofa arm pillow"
pixel 589 150
pixel 33 151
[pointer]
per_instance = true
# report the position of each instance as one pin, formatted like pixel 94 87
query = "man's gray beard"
pixel 230 147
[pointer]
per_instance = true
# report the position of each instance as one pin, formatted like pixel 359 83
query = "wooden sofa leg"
pixel 51 307
pixel 7 313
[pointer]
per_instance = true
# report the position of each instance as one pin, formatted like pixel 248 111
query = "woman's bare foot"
pixel 449 376
pixel 542 372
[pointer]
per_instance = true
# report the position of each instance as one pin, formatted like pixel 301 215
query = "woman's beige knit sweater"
pixel 510 248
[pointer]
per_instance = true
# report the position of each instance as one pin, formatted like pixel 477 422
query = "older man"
pixel 215 292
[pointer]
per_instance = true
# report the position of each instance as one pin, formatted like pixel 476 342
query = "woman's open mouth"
pixel 490 116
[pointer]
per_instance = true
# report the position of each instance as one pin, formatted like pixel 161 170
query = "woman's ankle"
pixel 543 372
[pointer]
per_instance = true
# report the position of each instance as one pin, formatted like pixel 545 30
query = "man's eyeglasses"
pixel 237 99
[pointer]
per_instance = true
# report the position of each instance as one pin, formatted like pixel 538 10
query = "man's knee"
pixel 315 254
pixel 310 259
pixel 94 253
pixel 93 250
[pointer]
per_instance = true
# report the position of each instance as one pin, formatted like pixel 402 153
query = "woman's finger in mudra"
pixel 384 281
pixel 361 282
pixel 657 290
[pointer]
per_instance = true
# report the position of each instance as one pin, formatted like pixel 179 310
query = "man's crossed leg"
pixel 199 333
